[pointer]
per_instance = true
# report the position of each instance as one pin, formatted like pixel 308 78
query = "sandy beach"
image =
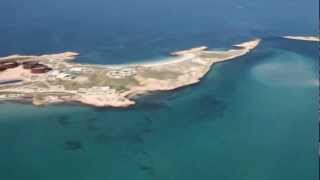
pixel 304 38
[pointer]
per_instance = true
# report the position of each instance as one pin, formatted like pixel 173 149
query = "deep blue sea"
pixel 254 118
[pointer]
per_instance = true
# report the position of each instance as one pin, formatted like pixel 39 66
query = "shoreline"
pixel 303 38
pixel 111 85
pixel 162 61
pixel 185 55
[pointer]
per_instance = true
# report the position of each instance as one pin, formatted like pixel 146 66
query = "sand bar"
pixel 304 38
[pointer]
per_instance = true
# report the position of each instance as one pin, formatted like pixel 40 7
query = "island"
pixel 56 78
pixel 304 38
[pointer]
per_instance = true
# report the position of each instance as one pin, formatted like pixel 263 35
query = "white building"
pixel 76 69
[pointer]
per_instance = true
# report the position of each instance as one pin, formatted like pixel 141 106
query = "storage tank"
pixel 8 64
pixel 39 69
pixel 2 68
pixel 29 64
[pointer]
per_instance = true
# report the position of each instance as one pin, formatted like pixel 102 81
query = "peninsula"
pixel 55 78
pixel 304 38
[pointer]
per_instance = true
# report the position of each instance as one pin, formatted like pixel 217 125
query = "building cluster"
pixel 121 73
pixel 68 74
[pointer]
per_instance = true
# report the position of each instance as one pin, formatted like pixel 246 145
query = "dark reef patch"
pixel 73 145
pixel 103 138
pixel 147 131
pixel 92 124
pixel 132 138
pixel 152 102
pixel 213 107
pixel 148 169
pixel 152 106
pixel 64 120
pixel 147 119
pixel 92 127
pixel 138 139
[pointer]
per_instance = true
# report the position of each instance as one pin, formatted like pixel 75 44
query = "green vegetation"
pixel 215 55
pixel 156 74
pixel 71 85
pixel 39 97
pixel 41 85
pixel 98 78
pixel 120 88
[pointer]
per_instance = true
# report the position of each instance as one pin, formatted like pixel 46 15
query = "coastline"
pixel 185 55
pixel 303 38
pixel 113 86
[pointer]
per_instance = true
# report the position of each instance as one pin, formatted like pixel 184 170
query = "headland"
pixel 55 78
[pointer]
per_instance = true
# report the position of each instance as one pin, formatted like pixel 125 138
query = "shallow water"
pixel 286 68
pixel 239 122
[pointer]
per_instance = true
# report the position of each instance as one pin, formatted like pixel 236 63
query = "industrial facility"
pixel 34 66
pixel 8 65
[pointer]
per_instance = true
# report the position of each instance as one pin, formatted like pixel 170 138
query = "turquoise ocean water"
pixel 251 118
